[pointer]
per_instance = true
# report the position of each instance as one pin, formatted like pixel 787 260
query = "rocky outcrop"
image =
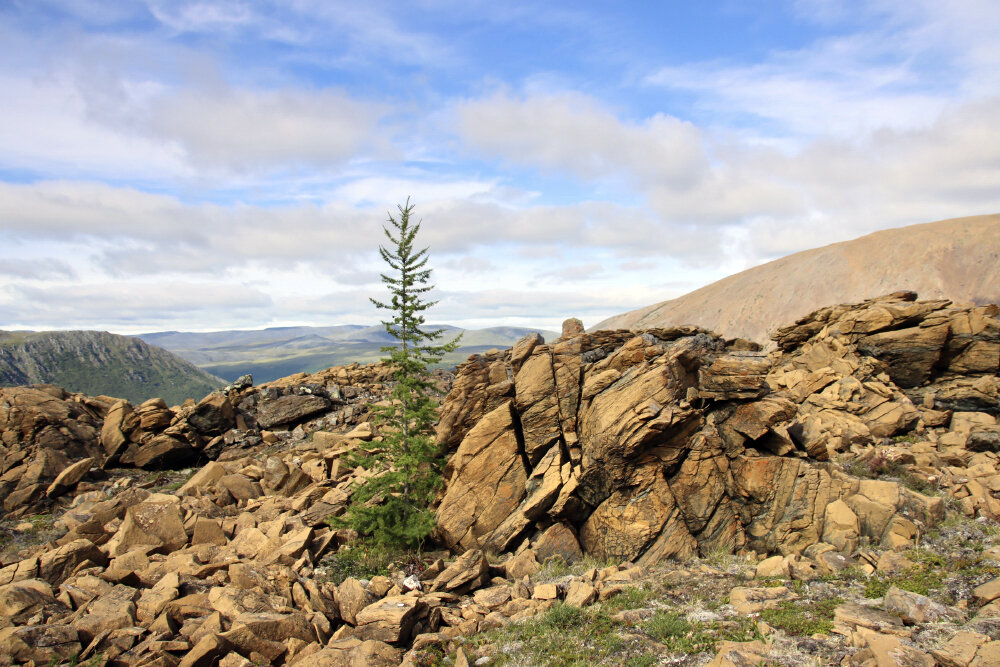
pixel 675 442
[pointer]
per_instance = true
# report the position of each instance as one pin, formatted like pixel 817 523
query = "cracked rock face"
pixel 675 442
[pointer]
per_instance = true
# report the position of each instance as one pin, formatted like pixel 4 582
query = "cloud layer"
pixel 218 163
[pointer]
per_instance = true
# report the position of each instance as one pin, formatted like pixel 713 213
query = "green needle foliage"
pixel 393 508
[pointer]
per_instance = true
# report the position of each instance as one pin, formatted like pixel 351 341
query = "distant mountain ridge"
pixel 98 362
pixel 956 259
pixel 269 354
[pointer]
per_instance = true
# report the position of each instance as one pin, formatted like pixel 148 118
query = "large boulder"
pixel 289 409
pixel 214 415
pixel 486 481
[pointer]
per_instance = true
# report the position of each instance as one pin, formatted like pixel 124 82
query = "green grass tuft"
pixel 803 618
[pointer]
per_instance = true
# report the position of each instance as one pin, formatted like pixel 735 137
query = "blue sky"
pixel 223 164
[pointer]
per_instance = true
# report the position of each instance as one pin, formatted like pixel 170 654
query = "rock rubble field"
pixel 677 497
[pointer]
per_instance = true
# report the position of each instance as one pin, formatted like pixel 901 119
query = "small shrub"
pixel 564 617
pixel 563 635
pixel 679 635
pixel 806 619
pixel 667 626
pixel 633 597
pixel 367 559
pixel 922 580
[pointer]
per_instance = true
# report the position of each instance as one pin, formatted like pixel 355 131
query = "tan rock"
pixel 889 650
pixel 852 616
pixel 69 477
pixel 486 481
pixel 207 652
pixel 492 597
pixel 213 415
pixel 154 600
pixel 233 602
pixel 19 571
pixel 521 565
pixel 241 487
pixel 206 476
pixel 390 620
pixel 39 643
pixel 545 592
pixel 54 566
pixel 631 519
pixel 355 653
pixel 580 594
pixel 988 655
pixel 961 649
pixel 352 597
pixel 537 404
pixel 270 633
pixel 739 654
pixel 208 531
pixel 987 592
pixel 113 439
pixel 25 596
pixel 468 572
pixel 558 540
pixel 892 562
pixel 752 600
pixel 156 524
pixel 915 608
pixel 775 566
pixel 841 527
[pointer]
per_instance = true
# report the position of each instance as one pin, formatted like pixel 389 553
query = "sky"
pixel 224 164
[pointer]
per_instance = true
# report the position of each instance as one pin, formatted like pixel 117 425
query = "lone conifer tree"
pixel 394 507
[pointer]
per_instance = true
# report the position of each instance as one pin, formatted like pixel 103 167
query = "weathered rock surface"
pixel 674 442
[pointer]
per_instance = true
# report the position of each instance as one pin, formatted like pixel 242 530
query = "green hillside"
pixel 98 362
pixel 273 353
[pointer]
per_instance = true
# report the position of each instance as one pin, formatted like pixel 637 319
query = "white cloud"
pixel 45 126
pixel 891 65
pixel 844 87
pixel 163 156
pixel 202 16
pixel 575 133
pixel 36 269
pixel 263 129
pixel 376 190
pixel 128 305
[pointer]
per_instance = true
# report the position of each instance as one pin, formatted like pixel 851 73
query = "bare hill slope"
pixel 957 259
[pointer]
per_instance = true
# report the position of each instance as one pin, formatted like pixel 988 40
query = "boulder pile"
pixel 51 438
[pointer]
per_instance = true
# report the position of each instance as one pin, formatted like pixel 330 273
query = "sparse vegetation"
pixel 679 635
pixel 880 466
pixel 368 558
pixel 14 537
pixel 803 618
pixel 556 567
pixel 565 635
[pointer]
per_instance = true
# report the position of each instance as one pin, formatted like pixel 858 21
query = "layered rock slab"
pixel 672 442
